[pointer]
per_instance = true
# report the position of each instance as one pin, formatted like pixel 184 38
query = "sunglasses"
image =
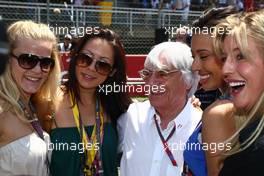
pixel 29 61
pixel 160 74
pixel 102 67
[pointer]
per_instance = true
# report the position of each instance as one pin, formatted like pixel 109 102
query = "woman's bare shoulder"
pixel 218 121
pixel 219 111
pixel 4 109
pixel 6 118
pixel 63 112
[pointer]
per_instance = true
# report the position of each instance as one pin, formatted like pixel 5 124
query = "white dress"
pixel 25 156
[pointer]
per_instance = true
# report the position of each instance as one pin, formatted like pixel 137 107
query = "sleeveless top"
pixel 66 155
pixel 25 156
pixel 249 161
pixel 194 156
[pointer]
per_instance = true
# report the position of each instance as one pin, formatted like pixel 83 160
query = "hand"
pixel 195 102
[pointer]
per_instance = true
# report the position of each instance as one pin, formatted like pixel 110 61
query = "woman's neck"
pixel 169 113
pixel 87 105
pixel 25 98
pixel 88 96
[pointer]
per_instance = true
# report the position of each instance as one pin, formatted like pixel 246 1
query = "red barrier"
pixel 135 63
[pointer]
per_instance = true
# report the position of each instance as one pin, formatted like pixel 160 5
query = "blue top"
pixel 194 156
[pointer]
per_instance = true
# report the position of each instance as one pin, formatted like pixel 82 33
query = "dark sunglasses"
pixel 84 60
pixel 29 61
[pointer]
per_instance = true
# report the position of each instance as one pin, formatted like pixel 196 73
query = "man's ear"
pixel 188 87
pixel 112 73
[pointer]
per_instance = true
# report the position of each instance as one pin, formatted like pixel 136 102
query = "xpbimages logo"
pixel 211 147
pixel 80 147
pixel 173 31
pixel 79 31
pixel 139 88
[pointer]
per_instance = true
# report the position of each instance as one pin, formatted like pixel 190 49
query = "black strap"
pixel 186 170
pixel 35 124
pixel 38 129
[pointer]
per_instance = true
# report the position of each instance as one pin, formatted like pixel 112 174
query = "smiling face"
pixel 100 50
pixel 176 89
pixel 243 74
pixel 29 81
pixel 208 66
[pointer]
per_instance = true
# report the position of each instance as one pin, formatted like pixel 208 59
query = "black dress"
pixel 249 162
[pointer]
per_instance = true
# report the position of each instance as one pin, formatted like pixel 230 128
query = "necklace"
pixel 32 117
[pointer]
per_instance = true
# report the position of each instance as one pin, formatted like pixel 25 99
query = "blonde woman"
pixel 31 76
pixel 241 48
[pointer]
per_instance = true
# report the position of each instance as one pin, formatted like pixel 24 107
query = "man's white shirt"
pixel 143 151
pixel 62 47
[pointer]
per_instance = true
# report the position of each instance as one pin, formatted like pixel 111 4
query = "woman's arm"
pixel 121 128
pixel 218 125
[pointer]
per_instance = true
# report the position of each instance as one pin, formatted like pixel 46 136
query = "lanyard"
pixel 92 158
pixel 32 117
pixel 164 142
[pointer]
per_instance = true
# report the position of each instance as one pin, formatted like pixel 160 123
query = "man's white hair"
pixel 177 55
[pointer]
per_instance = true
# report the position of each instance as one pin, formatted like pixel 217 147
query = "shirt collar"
pixel 180 120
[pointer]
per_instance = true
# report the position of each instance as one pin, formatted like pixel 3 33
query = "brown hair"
pixel 115 103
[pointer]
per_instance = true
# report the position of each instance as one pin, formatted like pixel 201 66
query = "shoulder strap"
pixel 38 129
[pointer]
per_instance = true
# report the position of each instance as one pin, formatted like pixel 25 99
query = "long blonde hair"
pixel 9 91
pixel 240 27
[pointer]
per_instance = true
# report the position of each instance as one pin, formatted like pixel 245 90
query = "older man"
pixel 153 133
pixel 66 45
pixel 182 35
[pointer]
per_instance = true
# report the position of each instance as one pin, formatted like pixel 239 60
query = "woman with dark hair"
pixel 202 155
pixel 86 114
